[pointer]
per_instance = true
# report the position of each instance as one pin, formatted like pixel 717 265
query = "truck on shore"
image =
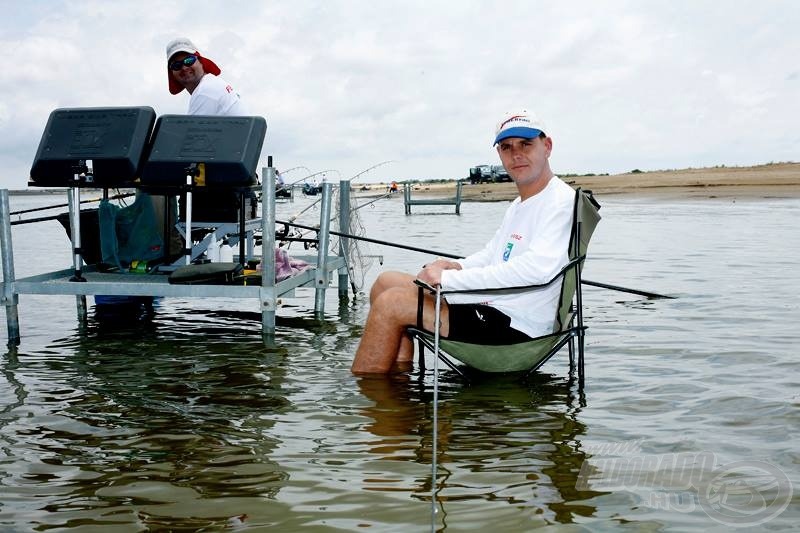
pixel 488 174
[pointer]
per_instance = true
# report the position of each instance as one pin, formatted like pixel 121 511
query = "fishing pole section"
pixel 286 236
pixel 609 286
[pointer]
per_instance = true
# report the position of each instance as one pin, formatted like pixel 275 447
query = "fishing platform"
pixel 181 156
pixel 454 200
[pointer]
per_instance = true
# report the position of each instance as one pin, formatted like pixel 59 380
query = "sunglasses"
pixel 187 61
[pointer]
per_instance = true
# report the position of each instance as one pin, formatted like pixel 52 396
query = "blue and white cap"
pixel 522 124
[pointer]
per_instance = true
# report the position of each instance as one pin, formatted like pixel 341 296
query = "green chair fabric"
pixel 568 322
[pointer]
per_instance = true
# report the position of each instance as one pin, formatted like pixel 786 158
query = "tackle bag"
pixel 130 233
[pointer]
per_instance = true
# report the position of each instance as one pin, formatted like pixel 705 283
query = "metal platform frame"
pixel 63 282
pixel 455 200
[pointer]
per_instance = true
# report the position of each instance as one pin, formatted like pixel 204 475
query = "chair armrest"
pixel 424 285
pixel 517 288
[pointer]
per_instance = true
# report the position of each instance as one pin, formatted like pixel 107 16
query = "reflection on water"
pixel 160 424
pixel 526 436
pixel 189 422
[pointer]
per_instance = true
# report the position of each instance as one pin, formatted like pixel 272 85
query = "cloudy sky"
pixel 348 84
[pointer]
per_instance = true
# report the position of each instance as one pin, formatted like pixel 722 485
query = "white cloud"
pixel 349 83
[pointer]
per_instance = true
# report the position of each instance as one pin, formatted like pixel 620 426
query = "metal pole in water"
pixel 436 326
pixel 10 299
pixel 75 235
pixel 344 225
pixel 268 292
pixel 75 222
pixel 322 251
pixel 187 247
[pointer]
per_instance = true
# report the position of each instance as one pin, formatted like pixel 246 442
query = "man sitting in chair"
pixel 529 248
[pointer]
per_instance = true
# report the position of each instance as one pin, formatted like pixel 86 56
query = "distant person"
pixel 281 190
pixel 530 247
pixel 209 94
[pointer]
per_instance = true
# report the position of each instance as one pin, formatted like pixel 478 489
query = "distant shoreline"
pixel 767 181
pixel 774 180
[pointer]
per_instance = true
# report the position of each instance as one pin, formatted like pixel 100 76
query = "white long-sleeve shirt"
pixel 215 96
pixel 530 247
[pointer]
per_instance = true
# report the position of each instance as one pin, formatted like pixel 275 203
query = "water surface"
pixel 190 422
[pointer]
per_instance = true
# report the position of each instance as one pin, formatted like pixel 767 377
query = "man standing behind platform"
pixel 209 94
pixel 188 69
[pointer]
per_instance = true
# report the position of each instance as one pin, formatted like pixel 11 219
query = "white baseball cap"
pixel 522 124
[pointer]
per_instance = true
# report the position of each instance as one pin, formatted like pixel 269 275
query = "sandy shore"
pixel 778 180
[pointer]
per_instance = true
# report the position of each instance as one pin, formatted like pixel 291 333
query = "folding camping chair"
pixel 568 324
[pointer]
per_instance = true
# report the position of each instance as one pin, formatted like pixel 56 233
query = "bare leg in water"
pixel 385 347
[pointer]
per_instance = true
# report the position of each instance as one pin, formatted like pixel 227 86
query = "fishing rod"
pixel 292 184
pixel 91 200
pixel 32 220
pixel 368 239
pixel 625 289
pixel 284 172
pixel 365 204
pixel 354 178
pixel 454 256
pixel 333 219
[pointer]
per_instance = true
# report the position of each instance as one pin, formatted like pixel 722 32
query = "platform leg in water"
pixel 10 299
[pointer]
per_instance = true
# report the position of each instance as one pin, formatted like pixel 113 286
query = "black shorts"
pixel 482 324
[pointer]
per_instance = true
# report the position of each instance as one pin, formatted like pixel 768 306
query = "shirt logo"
pixel 507 253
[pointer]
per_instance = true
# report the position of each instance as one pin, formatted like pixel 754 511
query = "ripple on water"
pixel 191 422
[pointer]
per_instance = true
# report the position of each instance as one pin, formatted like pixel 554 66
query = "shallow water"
pixel 688 419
